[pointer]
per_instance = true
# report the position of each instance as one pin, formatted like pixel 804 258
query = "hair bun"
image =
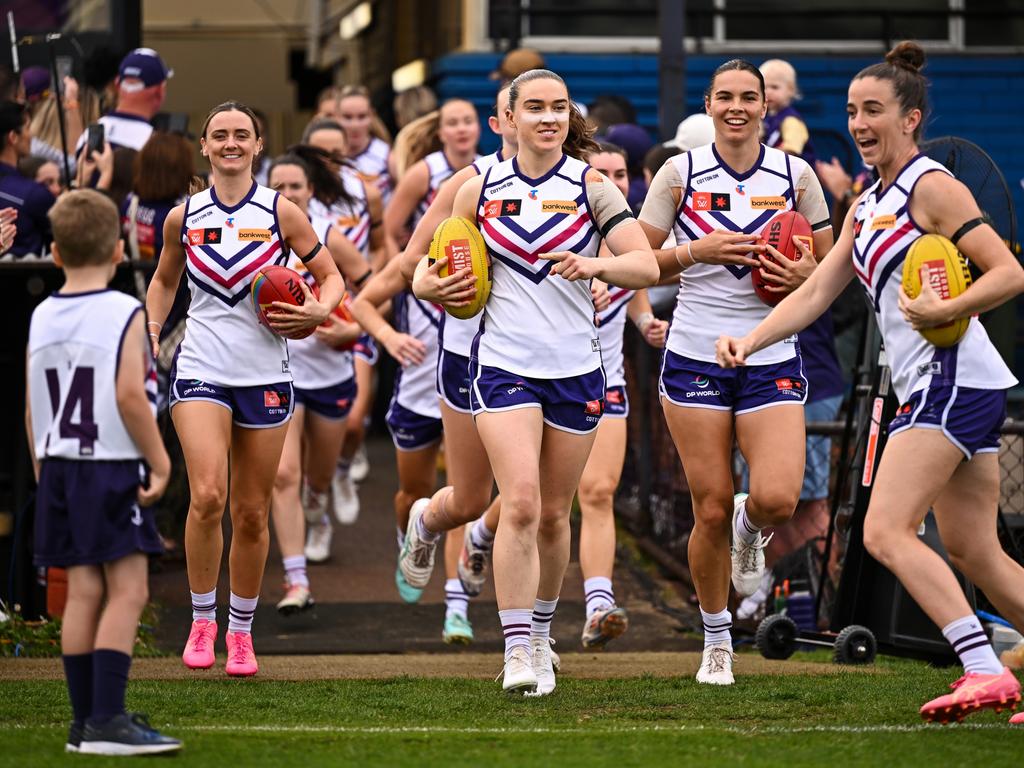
pixel 907 55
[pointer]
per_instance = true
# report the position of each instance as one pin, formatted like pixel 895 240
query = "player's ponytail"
pixel 902 67
pixel 327 185
pixel 415 141
pixel 579 142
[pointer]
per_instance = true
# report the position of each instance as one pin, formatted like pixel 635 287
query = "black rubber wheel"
pixel 855 645
pixel 776 636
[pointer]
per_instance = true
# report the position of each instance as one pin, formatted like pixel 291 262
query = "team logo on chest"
pixel 557 225
pixel 711 201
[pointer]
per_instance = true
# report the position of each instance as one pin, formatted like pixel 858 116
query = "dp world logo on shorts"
pixel 702 383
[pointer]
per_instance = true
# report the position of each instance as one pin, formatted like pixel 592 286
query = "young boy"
pixel 91 391
pixel 783 127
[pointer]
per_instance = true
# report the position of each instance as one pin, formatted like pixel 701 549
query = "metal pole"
pixel 671 66
pixel 57 85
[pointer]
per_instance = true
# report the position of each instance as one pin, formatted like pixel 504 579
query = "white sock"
pixel 744 530
pixel 295 570
pixel 204 605
pixel 425 533
pixel 455 598
pixel 515 624
pixel 481 535
pixel 400 537
pixel 972 646
pixel 717 627
pixel 342 466
pixel 540 621
pixel 240 613
pixel 599 595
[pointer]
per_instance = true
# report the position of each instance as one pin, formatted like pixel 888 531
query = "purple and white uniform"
pixel 456 338
pixel 226 356
pixel 372 164
pixel 958 389
pixel 414 416
pixel 324 377
pixel 538 345
pixel 611 324
pixel 717 299
pixel 90 467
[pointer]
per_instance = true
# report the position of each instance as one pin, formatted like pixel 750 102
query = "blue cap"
pixel 142 68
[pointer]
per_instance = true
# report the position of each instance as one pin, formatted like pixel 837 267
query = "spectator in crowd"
pixel 783 127
pixel 141 89
pixel 79 111
pixel 635 141
pixel 697 130
pixel 43 170
pixel 413 103
pixel 31 199
pixel 517 61
pixel 10 84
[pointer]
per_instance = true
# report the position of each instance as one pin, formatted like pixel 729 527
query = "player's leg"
pixel 707 463
pixel 772 439
pixel 914 470
pixel 204 431
pixel 77 641
pixel 966 511
pixel 468 493
pixel 562 458
pixel 288 520
pixel 513 442
pixel 417 479
pixel 457 628
pixel 344 494
pixel 604 621
pixel 110 730
pixel 255 455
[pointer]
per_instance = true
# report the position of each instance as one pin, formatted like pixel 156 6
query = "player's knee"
pixel 713 512
pixel 287 478
pixel 879 540
pixel 553 524
pixel 207 503
pixel 597 496
pixel 520 507
pixel 249 520
pixel 775 506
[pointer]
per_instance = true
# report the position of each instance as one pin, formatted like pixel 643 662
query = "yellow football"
pixel 460 240
pixel 949 276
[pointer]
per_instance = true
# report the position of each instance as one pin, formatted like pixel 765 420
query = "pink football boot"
pixel 971 693
pixel 199 647
pixel 241 656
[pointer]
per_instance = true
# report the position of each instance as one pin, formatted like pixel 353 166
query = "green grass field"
pixel 827 719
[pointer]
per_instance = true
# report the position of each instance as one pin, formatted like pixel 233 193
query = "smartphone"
pixel 96 138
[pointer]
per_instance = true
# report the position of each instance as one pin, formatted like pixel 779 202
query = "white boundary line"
pixel 666 729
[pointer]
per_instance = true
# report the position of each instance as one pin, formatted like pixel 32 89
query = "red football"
pixel 274 283
pixel 779 233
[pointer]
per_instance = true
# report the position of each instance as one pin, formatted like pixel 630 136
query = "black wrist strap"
pixel 312 254
pixel 968 226
pixel 360 280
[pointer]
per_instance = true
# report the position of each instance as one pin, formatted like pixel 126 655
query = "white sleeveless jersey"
pixel 884 231
pixel 74 348
pixel 535 324
pixel 224 248
pixel 315 365
pixel 415 385
pixel 372 164
pixel 716 299
pixel 611 324
pixel 457 335
pixel 352 219
pixel 439 170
